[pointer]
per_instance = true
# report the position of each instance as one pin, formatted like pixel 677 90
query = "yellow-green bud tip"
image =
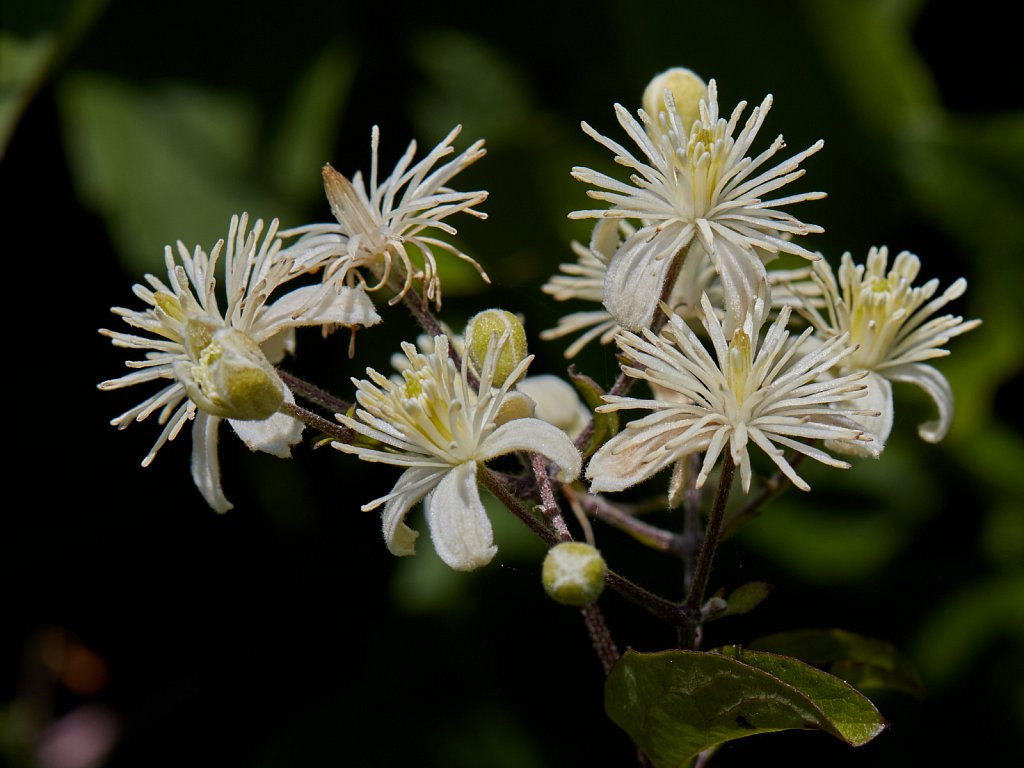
pixel 230 377
pixel 573 573
pixel 687 91
pixel 482 327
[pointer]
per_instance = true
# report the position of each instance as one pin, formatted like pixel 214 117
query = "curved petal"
pixel 205 464
pixel 637 273
pixel 631 457
pixel 458 522
pixel 278 346
pixel 742 272
pixel 323 304
pixel 275 435
pixel 935 385
pixel 877 397
pixel 413 485
pixel 536 436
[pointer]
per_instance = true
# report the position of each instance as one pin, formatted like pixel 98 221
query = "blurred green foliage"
pixel 128 126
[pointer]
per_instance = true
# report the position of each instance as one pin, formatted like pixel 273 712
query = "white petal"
pixel 205 464
pixel 538 437
pixel 741 272
pixel 637 272
pixel 317 305
pixel 279 345
pixel 413 485
pixel 935 384
pixel 632 456
pixel 458 522
pixel 275 435
pixel 877 397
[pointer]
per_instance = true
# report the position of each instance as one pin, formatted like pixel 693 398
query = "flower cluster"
pixel 698 226
pixel 680 272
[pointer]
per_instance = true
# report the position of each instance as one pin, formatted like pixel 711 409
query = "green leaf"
pixel 746 598
pixel 675 704
pixel 970 621
pixel 605 424
pixel 494 102
pixel 162 164
pixel 866 663
pixel 34 40
pixel 309 125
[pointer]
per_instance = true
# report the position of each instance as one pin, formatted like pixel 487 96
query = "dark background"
pixel 283 633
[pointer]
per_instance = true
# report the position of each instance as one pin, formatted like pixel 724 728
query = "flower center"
pixel 706 152
pixel 739 364
pixel 428 413
pixel 877 313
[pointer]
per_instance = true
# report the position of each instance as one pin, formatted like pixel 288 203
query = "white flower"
pixel 377 226
pixel 585 280
pixel 890 324
pixel 434 423
pixel 764 392
pixel 694 183
pixel 212 361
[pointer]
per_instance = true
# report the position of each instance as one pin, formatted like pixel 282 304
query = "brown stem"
pixel 706 556
pixel 313 394
pixel 332 429
pixel 501 487
pixel 660 317
pixel 691 520
pixel 549 507
pixel 600 636
pixel 666 610
pixel 650 535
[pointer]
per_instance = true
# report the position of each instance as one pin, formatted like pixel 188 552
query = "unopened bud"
pixel 515 405
pixel 491 323
pixel 573 573
pixel 687 91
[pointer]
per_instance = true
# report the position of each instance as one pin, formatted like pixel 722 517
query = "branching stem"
pixel 330 428
pixel 706 555
pixel 313 394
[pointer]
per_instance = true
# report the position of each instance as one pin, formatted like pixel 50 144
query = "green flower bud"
pixel 573 573
pixel 515 405
pixel 482 327
pixel 687 91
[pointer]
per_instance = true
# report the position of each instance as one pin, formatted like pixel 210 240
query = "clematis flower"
pixel 754 390
pixel 585 279
pixel 377 225
pixel 694 183
pixel 218 365
pixel 437 426
pixel 889 324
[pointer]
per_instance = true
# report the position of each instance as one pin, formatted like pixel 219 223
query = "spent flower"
pixel 380 221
